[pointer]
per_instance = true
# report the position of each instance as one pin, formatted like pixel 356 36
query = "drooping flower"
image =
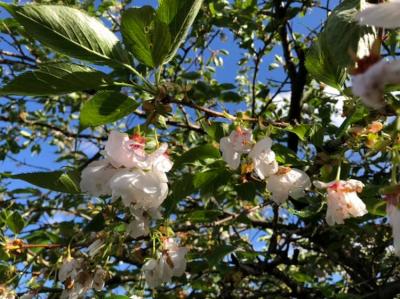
pixel 369 84
pixel 140 225
pixel 142 189
pixel 392 199
pixel 171 262
pixel 96 176
pixel 263 158
pixel 237 143
pixel 386 15
pixel 78 279
pixel 175 256
pixel 99 279
pixel 69 269
pixel 343 201
pixel 287 182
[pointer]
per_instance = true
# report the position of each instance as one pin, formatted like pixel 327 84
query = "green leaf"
pixel 204 215
pixel 301 131
pixel 322 67
pixel 209 181
pixel 246 191
pixel 145 35
pixel 70 31
pixel 180 189
pixel 56 78
pixel 105 107
pixel 179 15
pixel 372 199
pixel 329 57
pixel 199 153
pixel 215 255
pixel 342 34
pixel 15 222
pixel 66 182
pixel 285 155
pixel 96 224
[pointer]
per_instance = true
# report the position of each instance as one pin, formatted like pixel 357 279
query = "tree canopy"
pixel 199 149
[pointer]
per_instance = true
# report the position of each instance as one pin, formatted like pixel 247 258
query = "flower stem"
pixel 339 169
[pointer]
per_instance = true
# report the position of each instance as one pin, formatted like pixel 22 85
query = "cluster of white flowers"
pixel 5 293
pixel 170 262
pixel 282 182
pixel 78 279
pixel 129 173
pixel 343 201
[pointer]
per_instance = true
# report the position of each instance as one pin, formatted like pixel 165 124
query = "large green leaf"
pixel 70 31
pixel 106 107
pixel 215 255
pixel 147 37
pixel 323 68
pixel 56 78
pixel 329 57
pixel 179 15
pixel 66 182
pixel 15 222
pixel 199 153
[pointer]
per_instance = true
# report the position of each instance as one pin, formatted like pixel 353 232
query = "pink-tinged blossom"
pixel 385 15
pixel 370 84
pixel 263 158
pixel 123 151
pixel 343 201
pixel 237 143
pixel 287 182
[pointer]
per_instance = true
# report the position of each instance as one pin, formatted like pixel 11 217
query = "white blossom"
pixel 386 15
pixel 236 144
pixel 96 176
pixel 287 182
pixel 140 225
pixel 176 255
pixel 171 262
pixel 263 158
pixel 69 269
pixel 151 274
pixel 393 213
pixel 343 201
pixel 142 189
pixel 370 84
